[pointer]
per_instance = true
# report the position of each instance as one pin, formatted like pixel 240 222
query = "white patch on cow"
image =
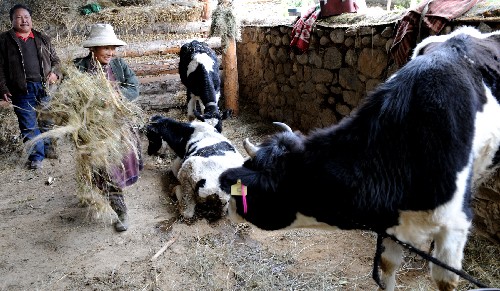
pixel 196 168
pixel 196 99
pixel 192 105
pixel 486 137
pixel 447 226
pixel 420 226
pixel 200 59
pixel 392 257
pixel 442 38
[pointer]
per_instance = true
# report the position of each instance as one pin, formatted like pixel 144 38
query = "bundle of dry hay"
pixel 224 23
pixel 98 120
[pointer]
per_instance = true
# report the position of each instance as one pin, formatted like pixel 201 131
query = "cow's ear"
pixel 156 119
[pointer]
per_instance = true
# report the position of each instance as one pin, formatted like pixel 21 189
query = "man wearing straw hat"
pixel 102 43
pixel 28 65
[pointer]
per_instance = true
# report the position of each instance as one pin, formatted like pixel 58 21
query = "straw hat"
pixel 102 35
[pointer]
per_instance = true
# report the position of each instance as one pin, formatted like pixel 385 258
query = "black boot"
pixel 117 203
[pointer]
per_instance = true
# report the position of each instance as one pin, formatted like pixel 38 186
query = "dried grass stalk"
pixel 98 120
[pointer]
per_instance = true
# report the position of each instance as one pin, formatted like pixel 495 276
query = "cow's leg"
pixel 391 259
pixel 202 106
pixel 176 165
pixel 191 105
pixel 186 200
pixel 449 245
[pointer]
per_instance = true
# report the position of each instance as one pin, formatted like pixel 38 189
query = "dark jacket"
pixel 12 73
pixel 126 78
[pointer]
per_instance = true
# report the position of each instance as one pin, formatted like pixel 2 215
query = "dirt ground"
pixel 48 241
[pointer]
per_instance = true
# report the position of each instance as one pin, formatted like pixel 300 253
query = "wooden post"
pixel 206 13
pixel 230 75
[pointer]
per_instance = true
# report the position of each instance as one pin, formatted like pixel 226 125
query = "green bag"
pixel 90 8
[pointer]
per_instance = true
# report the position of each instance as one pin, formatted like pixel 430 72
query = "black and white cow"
pixel 199 72
pixel 202 155
pixel 403 164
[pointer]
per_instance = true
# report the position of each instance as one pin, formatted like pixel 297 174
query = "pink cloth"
pixel 124 174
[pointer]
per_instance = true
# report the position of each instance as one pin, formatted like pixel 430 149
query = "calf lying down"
pixel 202 155
pixel 404 164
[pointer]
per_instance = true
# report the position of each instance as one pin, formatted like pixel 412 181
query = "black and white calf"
pixel 199 72
pixel 202 155
pixel 404 164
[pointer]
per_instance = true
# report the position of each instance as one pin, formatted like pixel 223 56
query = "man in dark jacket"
pixel 28 65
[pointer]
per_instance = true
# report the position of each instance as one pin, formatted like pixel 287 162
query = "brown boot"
pixel 117 203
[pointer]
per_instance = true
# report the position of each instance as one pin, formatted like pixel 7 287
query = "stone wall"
pixel 319 87
pixel 323 85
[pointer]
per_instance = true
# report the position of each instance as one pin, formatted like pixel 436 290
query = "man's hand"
pixel 51 78
pixel 5 100
pixel 6 97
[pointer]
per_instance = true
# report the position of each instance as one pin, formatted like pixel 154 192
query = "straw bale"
pixel 98 120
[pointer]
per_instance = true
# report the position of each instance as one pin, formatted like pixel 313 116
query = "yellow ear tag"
pixel 236 189
pixel 239 189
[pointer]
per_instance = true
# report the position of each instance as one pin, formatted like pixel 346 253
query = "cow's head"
pixel 270 164
pixel 176 134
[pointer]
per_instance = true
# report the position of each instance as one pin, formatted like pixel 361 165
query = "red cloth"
pixel 31 35
pixel 301 32
pixel 428 18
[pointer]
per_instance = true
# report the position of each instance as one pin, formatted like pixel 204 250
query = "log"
pixel 141 69
pixel 163 249
pixel 230 76
pixel 207 12
pixel 161 47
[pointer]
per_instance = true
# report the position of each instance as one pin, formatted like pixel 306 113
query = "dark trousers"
pixel 25 109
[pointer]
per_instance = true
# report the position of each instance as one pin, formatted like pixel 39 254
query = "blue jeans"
pixel 30 126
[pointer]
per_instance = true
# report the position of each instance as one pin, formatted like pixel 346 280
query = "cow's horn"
pixel 283 126
pixel 249 147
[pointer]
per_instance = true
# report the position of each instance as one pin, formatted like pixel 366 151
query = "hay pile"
pixel 67 14
pixel 98 120
pixel 224 23
pixel 138 17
